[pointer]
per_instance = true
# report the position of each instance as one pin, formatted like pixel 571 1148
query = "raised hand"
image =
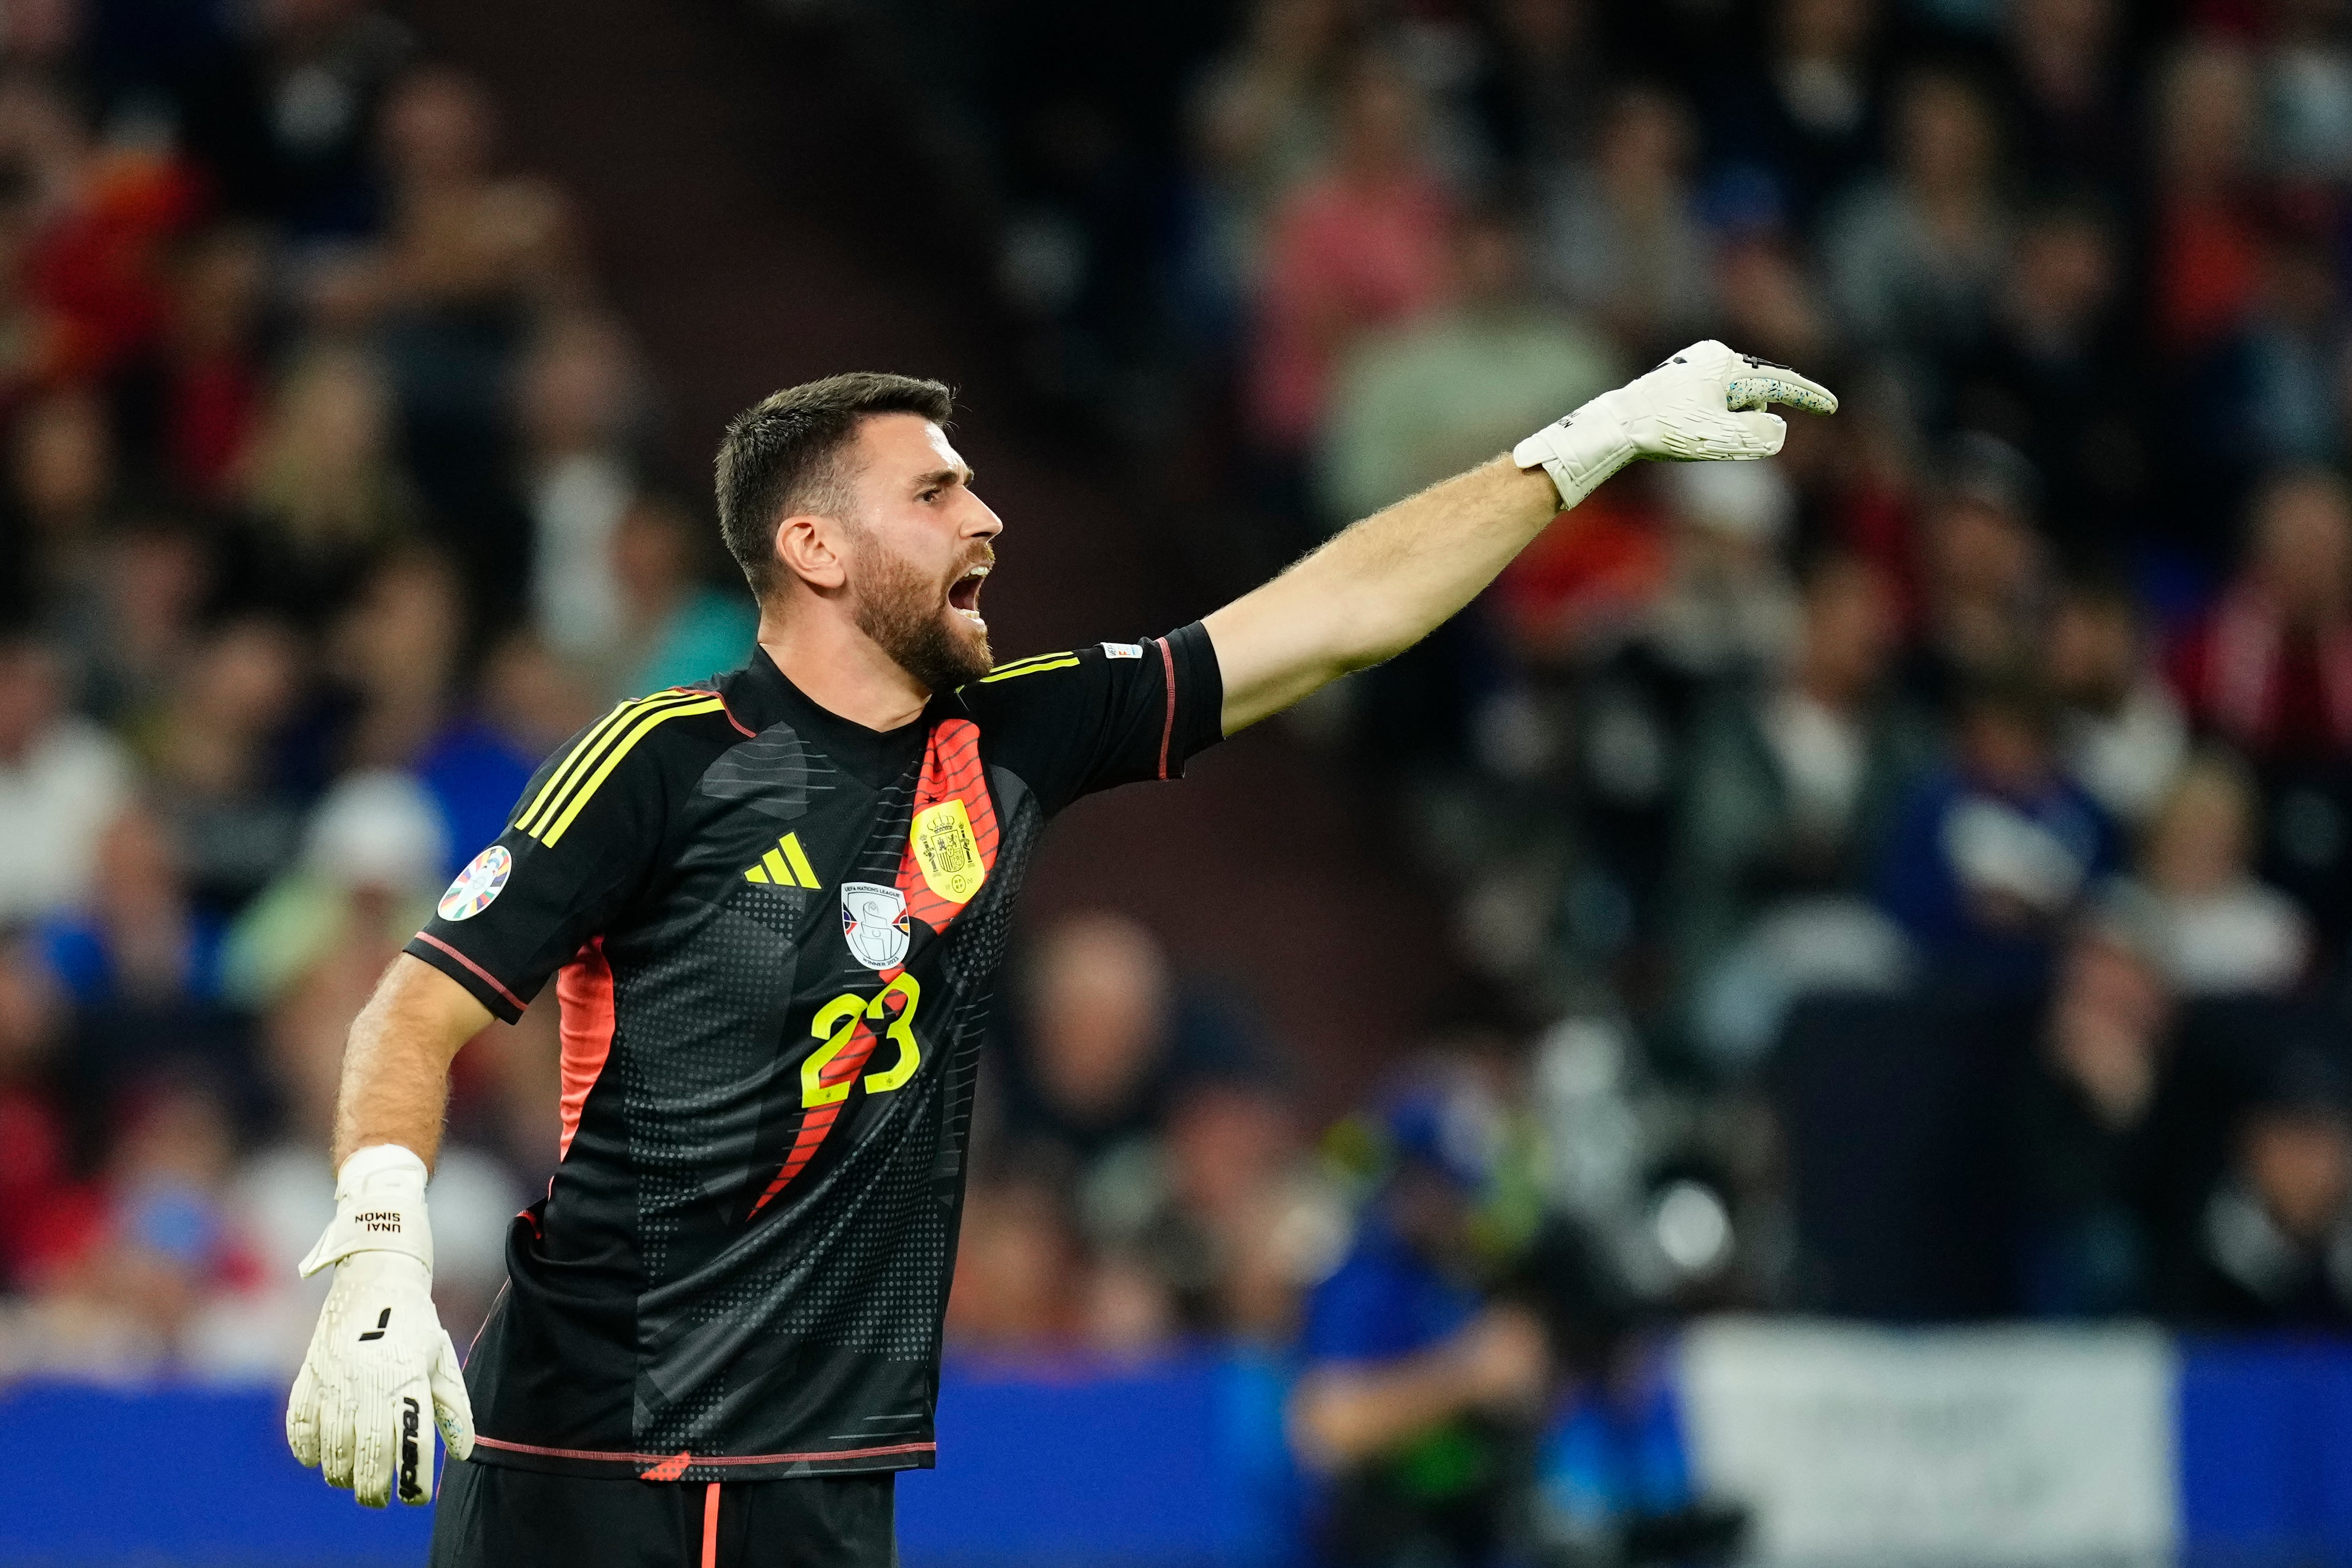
pixel 1704 404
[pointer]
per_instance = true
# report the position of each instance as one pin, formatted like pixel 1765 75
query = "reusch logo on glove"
pixel 409 1427
pixel 382 1323
pixel 385 1221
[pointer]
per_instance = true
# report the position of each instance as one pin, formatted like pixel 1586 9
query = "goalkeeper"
pixel 770 906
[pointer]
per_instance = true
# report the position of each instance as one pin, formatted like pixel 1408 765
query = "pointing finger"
pixel 1765 382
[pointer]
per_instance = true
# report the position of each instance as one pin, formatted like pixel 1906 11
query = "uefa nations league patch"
pixel 478 885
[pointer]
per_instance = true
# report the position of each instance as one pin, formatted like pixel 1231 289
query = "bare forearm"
pixel 1343 1416
pixel 1377 588
pixel 395 1084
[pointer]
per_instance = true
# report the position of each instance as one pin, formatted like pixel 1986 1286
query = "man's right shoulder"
pixel 633 749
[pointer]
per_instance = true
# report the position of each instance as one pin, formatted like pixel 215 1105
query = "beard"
pixel 906 613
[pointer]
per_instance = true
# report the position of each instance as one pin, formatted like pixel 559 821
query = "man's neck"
pixel 842 671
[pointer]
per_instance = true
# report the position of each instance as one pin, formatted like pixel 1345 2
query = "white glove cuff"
pixel 379 1207
pixel 1579 451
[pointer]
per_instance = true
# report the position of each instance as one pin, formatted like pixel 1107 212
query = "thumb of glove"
pixel 1762 433
pixel 453 1408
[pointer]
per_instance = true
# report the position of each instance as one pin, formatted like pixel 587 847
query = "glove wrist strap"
pixel 1579 452
pixel 379 1207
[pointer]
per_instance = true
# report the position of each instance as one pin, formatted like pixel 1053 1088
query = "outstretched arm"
pixel 1390 580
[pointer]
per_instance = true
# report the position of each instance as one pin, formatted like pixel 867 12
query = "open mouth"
pixel 964 598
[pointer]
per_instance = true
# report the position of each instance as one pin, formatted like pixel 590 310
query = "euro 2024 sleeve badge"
pixel 478 885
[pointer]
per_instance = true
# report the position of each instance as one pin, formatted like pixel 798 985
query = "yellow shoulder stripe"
pixel 549 799
pixel 653 714
pixel 1034 667
pixel 1014 666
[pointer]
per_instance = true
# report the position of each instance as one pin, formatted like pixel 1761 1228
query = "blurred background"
pixel 1810 1024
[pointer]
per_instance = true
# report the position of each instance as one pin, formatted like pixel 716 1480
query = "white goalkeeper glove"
pixel 1705 403
pixel 381 1373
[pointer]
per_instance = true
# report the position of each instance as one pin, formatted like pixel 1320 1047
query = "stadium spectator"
pixel 1094 1052
pixel 2204 260
pixel 200 394
pixel 1727 609
pixel 2085 1133
pixel 322 487
pixel 47 1212
pixel 62 778
pixel 2220 930
pixel 2052 378
pixel 1623 243
pixel 372 854
pixel 2122 731
pixel 575 404
pixel 2307 98
pixel 2270 1247
pixel 1413 405
pixel 1790 786
pixel 1554 69
pixel 318 73
pixel 1267 120
pixel 1403 1357
pixel 2270 668
pixel 1981 574
pixel 1804 117
pixel 676 628
pixel 212 753
pixel 1364 243
pixel 140 626
pixel 1914 258
pixel 1987 857
pixel 137 938
pixel 63 483
pixel 1221 1223
pixel 2073 112
pixel 1021 1282
pixel 394 656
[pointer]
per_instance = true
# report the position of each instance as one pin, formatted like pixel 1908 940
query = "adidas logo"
pixel 783 866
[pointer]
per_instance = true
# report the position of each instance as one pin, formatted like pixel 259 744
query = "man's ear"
pixel 807 543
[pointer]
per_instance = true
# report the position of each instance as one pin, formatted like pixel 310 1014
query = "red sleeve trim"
pixel 1168 726
pixel 488 978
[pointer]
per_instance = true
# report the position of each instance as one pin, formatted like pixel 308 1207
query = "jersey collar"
pixel 760 696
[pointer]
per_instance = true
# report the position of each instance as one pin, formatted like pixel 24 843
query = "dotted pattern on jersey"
pixel 697 1022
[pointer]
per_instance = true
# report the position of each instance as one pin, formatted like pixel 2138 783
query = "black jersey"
pixel 772 931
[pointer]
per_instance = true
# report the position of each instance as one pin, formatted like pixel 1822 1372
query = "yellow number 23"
pixel 836 1025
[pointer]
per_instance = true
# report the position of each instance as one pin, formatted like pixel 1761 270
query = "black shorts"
pixel 490 1516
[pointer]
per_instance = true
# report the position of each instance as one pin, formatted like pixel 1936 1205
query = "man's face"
pixel 918 551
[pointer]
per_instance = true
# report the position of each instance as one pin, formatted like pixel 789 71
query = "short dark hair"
pixel 784 451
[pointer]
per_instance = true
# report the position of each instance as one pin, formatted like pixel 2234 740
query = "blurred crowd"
pixel 1911 877
pixel 325 513
pixel 1907 878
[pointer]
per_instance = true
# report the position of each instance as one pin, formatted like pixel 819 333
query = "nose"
pixel 983 524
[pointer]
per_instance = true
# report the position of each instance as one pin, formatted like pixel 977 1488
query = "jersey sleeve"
pixel 584 833
pixel 1109 714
